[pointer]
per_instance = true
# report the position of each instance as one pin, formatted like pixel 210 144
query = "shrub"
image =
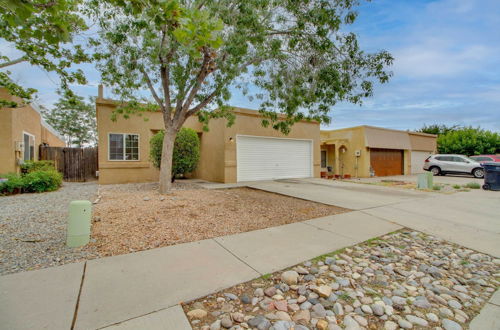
pixel 41 165
pixel 40 181
pixel 186 151
pixel 14 184
pixel 457 186
pixel 436 187
pixel 472 185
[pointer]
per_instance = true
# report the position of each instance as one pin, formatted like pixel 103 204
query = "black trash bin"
pixel 491 176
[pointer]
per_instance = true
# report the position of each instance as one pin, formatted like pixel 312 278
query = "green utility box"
pixel 80 213
pixel 425 181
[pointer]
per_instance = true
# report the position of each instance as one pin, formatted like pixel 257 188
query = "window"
pixel 29 146
pixel 123 146
pixel 459 160
pixel 323 158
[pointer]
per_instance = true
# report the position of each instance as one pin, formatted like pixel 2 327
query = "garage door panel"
pixel 385 162
pixel 417 161
pixel 260 158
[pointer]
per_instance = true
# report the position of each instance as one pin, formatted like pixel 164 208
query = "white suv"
pixel 442 164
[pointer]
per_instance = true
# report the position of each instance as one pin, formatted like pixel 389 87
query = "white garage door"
pixel 417 161
pixel 260 158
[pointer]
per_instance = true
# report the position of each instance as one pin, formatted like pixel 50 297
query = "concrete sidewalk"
pixel 143 290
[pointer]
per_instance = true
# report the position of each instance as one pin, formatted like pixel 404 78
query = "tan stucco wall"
pixel 345 163
pixel 218 152
pixel 13 123
pixel 423 142
pixel 52 140
pixel 7 156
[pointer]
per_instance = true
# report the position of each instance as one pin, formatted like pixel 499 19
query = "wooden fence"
pixel 76 164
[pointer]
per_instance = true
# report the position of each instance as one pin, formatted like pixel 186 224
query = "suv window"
pixel 459 160
pixel 445 158
pixel 482 158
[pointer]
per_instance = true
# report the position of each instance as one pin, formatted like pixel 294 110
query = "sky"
pixel 446 68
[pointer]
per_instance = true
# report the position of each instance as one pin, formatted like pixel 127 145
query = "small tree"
pixel 186 151
pixel 469 141
pixel 75 119
pixel 295 57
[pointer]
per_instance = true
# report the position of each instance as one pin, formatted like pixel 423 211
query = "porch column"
pixel 336 170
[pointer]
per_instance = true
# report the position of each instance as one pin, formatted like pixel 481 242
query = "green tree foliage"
pixel 39 30
pixel 469 141
pixel 186 151
pixel 74 118
pixel 295 57
pixel 438 129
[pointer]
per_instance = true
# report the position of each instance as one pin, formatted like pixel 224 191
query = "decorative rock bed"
pixel 401 280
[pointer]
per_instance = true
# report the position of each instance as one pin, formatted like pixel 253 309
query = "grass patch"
pixel 436 187
pixel 265 277
pixel 347 298
pixel 331 254
pixel 472 185
pixel 464 262
pixel 457 186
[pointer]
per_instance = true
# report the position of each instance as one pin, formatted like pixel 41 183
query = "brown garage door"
pixel 386 161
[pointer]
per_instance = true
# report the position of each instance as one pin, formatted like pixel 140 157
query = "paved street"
pixel 143 289
pixel 467 218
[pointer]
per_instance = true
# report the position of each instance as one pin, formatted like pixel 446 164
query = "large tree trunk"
pixel 166 161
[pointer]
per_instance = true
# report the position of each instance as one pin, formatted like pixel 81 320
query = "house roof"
pixel 36 107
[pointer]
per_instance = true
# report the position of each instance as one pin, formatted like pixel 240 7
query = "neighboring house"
pixel 365 151
pixel 22 131
pixel 246 151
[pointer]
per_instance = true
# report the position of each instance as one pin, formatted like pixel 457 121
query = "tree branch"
pixel 9 63
pixel 152 89
pixel 202 104
pixel 195 86
pixel 165 72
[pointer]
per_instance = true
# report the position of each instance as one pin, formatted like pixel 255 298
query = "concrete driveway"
pixel 471 219
pixel 443 179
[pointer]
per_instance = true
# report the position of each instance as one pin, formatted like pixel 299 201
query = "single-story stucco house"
pixel 22 131
pixel 246 151
pixel 365 151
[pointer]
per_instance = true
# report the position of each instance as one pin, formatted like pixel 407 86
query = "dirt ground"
pixel 137 217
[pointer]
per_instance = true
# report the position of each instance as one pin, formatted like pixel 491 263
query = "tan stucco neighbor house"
pixel 246 151
pixel 365 151
pixel 22 131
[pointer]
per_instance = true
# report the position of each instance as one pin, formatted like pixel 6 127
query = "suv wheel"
pixel 435 170
pixel 478 173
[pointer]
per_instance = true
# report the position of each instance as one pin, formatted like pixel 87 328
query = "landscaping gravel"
pixel 33 228
pixel 403 280
pixel 135 217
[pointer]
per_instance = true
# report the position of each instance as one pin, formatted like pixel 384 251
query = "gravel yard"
pixel 136 217
pixel 401 280
pixel 33 228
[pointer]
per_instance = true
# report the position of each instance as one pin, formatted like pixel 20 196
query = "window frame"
pixel 124 147
pixel 326 158
pixel 33 158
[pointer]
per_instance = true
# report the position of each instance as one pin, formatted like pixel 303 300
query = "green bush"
pixel 41 165
pixel 436 187
pixel 14 184
pixel 40 181
pixel 186 151
pixel 457 186
pixel 34 181
pixel 472 185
